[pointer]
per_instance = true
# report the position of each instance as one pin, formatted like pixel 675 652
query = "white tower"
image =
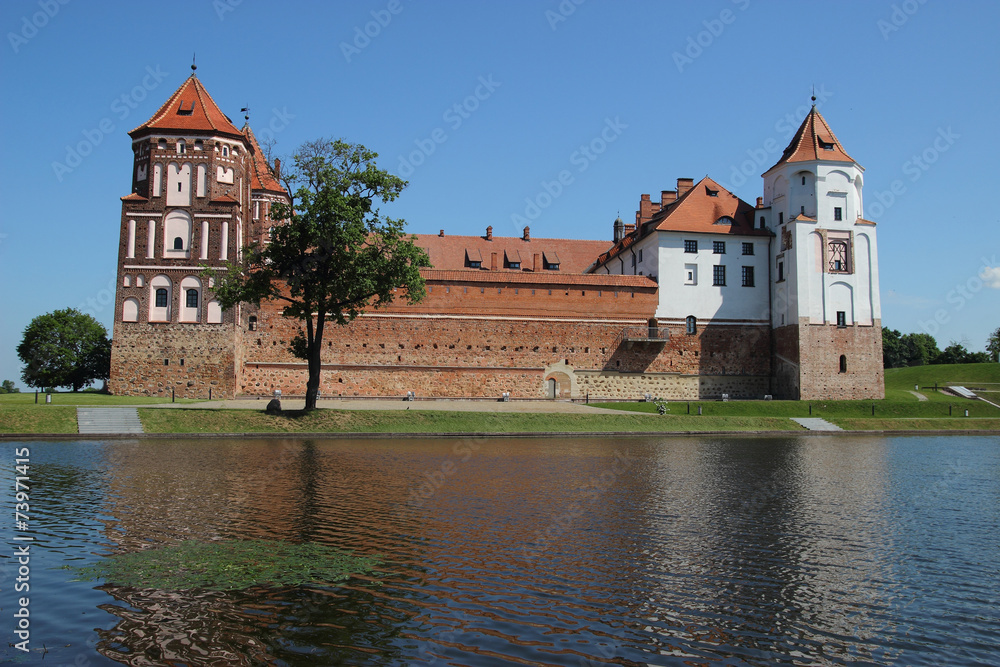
pixel 826 314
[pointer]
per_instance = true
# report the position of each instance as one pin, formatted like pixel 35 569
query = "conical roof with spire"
pixel 190 108
pixel 814 140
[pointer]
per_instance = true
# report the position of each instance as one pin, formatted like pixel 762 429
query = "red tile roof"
pixel 225 199
pixel 700 209
pixel 550 278
pixel 189 108
pixel 814 140
pixel 262 177
pixel 449 252
pixel 134 197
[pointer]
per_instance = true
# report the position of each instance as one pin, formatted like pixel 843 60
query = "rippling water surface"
pixel 677 551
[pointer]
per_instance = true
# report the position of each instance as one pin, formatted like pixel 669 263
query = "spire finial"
pixel 246 113
pixel 814 95
pixel 193 65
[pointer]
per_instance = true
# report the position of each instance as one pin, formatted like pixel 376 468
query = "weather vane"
pixel 246 112
pixel 193 65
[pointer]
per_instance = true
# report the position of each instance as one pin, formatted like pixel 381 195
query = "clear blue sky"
pixel 683 89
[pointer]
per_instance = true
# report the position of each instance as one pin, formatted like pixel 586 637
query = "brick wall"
pixel 810 368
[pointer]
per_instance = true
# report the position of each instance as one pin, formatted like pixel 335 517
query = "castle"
pixel 703 295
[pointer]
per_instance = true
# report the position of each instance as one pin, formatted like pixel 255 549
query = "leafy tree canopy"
pixel 64 348
pixel 7 387
pixel 993 345
pixel 332 254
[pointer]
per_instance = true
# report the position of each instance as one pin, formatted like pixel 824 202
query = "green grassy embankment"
pixel 191 420
pixel 20 414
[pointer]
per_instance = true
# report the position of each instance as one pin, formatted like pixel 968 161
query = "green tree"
pixel 893 351
pixel 64 348
pixel 333 255
pixel 993 345
pixel 920 349
pixel 7 387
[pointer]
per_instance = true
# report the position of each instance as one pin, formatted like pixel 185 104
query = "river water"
pixel 556 551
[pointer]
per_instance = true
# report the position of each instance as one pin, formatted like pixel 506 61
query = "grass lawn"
pixel 83 398
pixel 981 378
pixel 918 424
pixel 20 414
pixel 193 420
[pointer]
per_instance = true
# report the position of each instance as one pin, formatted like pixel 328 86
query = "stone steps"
pixel 107 421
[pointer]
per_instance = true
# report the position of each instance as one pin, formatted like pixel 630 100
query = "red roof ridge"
pixel 262 177
pixel 135 196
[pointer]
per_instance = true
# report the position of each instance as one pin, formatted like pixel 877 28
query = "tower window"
pixel 178 243
pixel 762 222
pixel 161 298
pixel 781 217
pixel 199 144
pixel 225 151
pixel 161 144
pixel 192 298
pixel 690 246
pixel 841 318
pixel 781 271
pixel 181 147
pixel 837 251
pixel 843 363
pixel 252 323
pixel 802 210
pixel 691 325
pixel 719 275
pixel 803 180
pixel 838 213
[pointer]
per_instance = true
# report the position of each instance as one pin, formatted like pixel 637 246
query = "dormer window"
pixel 185 109
pixel 514 265
pixel 825 145
pixel 475 265
pixel 711 193
pixel 724 220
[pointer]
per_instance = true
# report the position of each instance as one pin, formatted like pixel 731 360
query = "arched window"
pixel 181 147
pixel 130 310
pixel 191 291
pixel 692 324
pixel 177 229
pixel 159 302
pixel 162 144
pixel 843 363
pixel 199 144
pixel 225 151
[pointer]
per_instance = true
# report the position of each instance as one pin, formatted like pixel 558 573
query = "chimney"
pixel 527 234
pixel 489 235
pixel 277 169
pixel 667 196
pixel 760 202
pixel 441 233
pixel 683 185
pixel 537 263
pixel 645 209
pixel 493 260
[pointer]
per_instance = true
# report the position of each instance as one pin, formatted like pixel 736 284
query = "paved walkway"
pixel 108 420
pixel 399 404
pixel 816 424
pixel 920 397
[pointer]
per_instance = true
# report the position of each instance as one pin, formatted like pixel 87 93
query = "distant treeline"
pixel 918 349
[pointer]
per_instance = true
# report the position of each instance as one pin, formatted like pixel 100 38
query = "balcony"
pixel 642 335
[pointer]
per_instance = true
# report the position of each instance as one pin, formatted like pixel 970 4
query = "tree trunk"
pixel 314 344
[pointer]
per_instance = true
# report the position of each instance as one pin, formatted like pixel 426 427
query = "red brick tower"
pixel 189 207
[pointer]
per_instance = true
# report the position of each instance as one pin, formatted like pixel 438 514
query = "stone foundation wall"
pixel 153 359
pixel 671 386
